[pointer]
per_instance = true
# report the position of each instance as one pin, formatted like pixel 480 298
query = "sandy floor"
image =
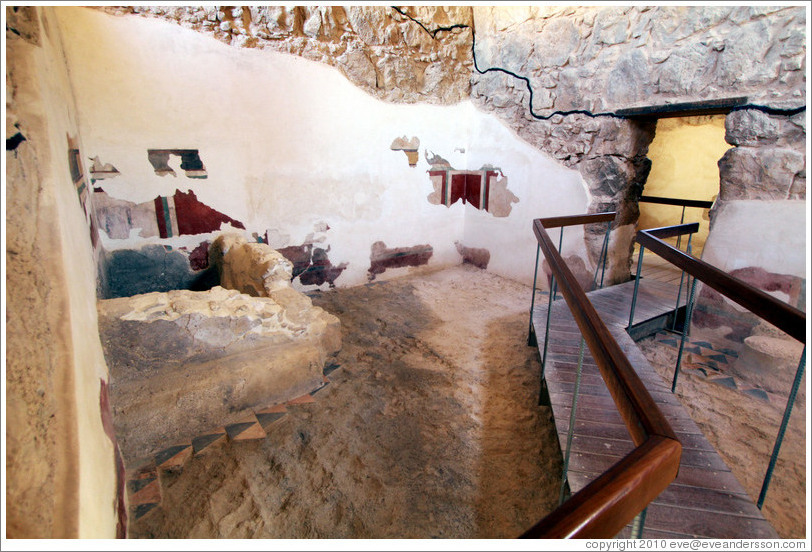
pixel 743 430
pixel 430 428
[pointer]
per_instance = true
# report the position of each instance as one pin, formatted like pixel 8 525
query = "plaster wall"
pixel 782 224
pixel 61 479
pixel 294 151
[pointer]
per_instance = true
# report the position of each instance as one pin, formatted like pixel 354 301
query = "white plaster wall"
pixel 290 145
pixel 544 188
pixel 781 224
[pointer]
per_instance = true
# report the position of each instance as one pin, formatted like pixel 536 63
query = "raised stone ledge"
pixel 184 362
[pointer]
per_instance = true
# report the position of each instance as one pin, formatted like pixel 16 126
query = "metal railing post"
pixel 606 253
pixel 636 286
pixel 782 430
pixel 550 300
pixel 679 290
pixel 689 312
pixel 638 523
pixel 571 427
pixel 530 332
pixel 681 220
pixel 550 297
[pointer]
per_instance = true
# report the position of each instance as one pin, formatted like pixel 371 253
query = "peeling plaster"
pixel 409 147
pixel 102 171
pixel 190 162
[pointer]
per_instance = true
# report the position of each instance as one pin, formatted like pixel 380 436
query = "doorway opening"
pixel 684 166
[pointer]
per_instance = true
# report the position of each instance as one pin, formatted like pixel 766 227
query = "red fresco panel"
pixel 195 217
pixel 473 189
pixel 457 188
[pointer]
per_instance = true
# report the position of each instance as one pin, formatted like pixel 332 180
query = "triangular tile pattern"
pixel 708 361
pixel 144 484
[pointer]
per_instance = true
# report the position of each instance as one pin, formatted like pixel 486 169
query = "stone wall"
pixel 558 75
pixel 61 470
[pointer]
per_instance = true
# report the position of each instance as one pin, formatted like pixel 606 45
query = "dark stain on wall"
pixel 199 257
pixel 14 141
pixel 321 270
pixel 479 257
pixel 382 258
pixel 312 265
pixel 154 268
pixel 189 161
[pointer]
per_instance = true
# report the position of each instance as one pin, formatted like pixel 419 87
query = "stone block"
pixel 750 127
pixel 184 362
pixel 761 173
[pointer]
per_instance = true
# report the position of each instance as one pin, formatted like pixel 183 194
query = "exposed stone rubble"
pixel 183 362
pixel 768 161
pixel 377 48
pixel 601 59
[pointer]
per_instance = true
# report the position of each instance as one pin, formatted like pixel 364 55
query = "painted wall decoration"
pixel 276 183
pixel 102 171
pixel 485 189
pixel 199 257
pixel 409 147
pixel 381 257
pixel 165 216
pixel 190 162
pixel 312 265
pixel 79 179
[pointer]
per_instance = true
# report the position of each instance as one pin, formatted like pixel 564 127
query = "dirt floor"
pixel 430 429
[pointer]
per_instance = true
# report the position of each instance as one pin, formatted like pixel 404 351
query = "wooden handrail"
pixel 572 220
pixel 618 494
pixel 778 313
pixel 606 505
pixel 676 201
pixel 673 231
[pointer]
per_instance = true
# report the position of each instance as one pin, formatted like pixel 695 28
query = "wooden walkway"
pixel 705 500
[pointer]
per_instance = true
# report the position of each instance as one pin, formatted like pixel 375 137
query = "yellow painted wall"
pixel 684 156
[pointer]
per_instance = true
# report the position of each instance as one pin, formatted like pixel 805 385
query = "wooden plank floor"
pixel 705 500
pixel 656 268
